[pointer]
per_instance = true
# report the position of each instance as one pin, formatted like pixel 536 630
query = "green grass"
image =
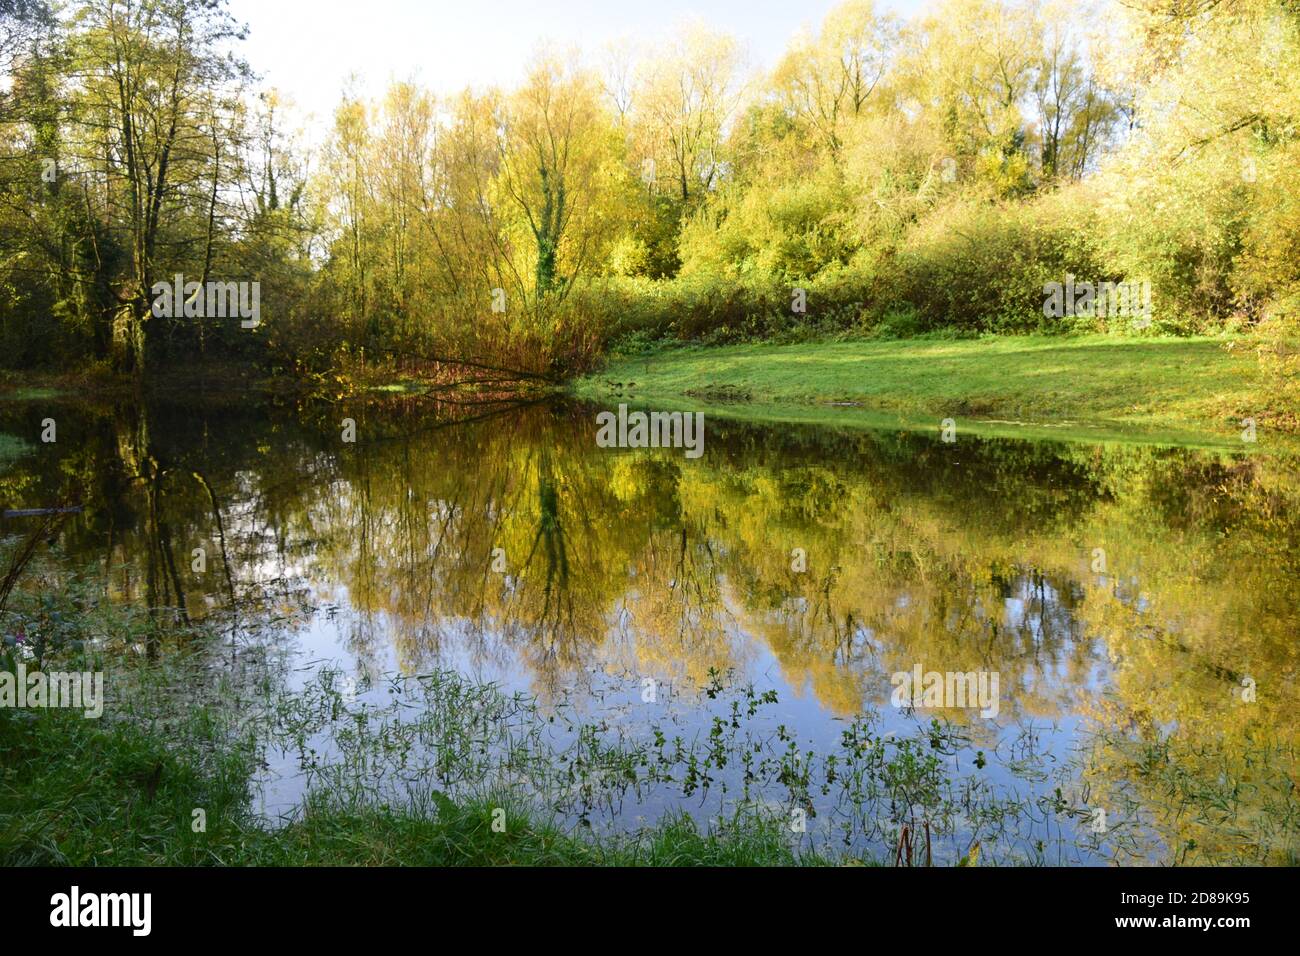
pixel 1191 391
pixel 94 793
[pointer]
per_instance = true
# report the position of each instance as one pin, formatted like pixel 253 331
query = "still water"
pixel 674 634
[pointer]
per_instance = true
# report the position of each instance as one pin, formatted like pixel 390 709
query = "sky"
pixel 308 49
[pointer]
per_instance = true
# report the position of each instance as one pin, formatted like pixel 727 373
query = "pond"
pixel 1101 637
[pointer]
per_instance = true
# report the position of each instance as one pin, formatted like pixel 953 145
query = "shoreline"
pixel 1193 392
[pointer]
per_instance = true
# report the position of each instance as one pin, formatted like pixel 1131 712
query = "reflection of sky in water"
pixel 608 691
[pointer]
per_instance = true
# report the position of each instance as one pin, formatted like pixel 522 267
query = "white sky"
pixel 308 48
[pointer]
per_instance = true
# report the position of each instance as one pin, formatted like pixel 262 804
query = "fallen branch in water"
pixel 52 520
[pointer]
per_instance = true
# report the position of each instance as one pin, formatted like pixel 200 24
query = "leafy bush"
pixel 982 267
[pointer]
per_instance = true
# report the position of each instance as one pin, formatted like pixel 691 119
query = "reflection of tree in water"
pixel 555 622
pixel 138 464
pixel 166 480
pixel 975 557
pixel 150 500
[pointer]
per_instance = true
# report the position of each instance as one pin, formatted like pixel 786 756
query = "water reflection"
pixel 1133 600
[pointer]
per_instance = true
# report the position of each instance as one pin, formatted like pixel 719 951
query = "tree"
pixel 555 149
pixel 686 96
pixel 971 66
pixel 1076 113
pixel 829 78
pixel 148 70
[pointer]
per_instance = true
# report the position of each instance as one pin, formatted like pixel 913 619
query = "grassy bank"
pixel 118 795
pixel 1192 391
